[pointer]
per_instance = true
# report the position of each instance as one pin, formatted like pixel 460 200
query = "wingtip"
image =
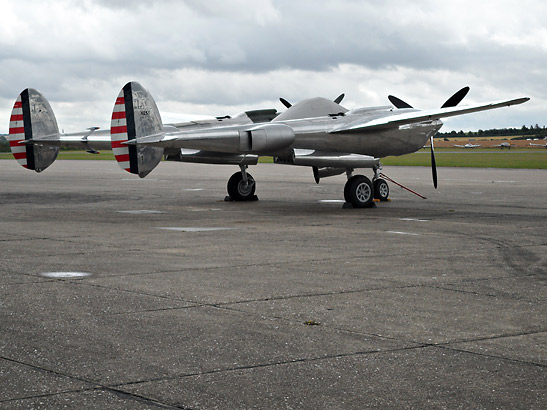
pixel 520 100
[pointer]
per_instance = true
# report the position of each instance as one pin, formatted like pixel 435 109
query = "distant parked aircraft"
pixel 539 145
pixel 504 145
pixel 468 145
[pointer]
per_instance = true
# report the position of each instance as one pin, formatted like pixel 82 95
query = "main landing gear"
pixel 241 186
pixel 360 192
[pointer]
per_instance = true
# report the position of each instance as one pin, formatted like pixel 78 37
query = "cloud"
pixel 219 57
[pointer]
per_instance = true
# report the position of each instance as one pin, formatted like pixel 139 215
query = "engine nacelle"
pixel 269 138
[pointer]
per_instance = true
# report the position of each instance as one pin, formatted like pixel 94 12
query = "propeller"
pixel 337 100
pixel 433 163
pixel 285 102
pixel 451 102
pixel 456 98
pixel 397 102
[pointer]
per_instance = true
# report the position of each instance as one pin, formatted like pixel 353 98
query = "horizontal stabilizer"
pixel 421 116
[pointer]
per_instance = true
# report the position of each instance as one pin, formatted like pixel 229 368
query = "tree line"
pixel 517 133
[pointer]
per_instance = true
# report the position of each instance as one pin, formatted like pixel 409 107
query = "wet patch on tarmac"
pixel 65 275
pixel 141 212
pixel 192 229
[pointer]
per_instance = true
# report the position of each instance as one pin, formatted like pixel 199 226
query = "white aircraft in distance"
pixel 504 145
pixel 468 145
pixel 539 145
pixel 317 133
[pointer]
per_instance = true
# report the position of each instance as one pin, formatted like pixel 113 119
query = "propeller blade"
pixel 339 99
pixel 285 103
pixel 456 98
pixel 397 102
pixel 433 164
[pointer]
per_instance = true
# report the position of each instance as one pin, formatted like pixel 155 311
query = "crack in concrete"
pixel 265 365
pixel 495 356
pixel 118 390
pixel 95 386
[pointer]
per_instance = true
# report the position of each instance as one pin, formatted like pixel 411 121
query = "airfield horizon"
pixel 482 157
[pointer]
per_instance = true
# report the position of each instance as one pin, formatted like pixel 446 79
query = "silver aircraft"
pixel 539 145
pixel 503 145
pixel 468 145
pixel 318 133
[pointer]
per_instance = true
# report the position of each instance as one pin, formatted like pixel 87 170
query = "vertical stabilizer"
pixel 135 115
pixel 32 118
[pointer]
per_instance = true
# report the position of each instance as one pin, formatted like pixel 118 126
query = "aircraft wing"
pixel 397 120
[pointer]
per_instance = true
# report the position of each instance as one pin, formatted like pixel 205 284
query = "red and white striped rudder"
pixel 135 115
pixel 32 118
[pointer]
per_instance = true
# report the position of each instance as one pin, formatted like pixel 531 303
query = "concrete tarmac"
pixel 290 302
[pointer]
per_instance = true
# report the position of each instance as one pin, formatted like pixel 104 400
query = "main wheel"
pixel 381 189
pixel 240 190
pixel 359 191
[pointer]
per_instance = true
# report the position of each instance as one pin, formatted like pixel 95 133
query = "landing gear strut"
pixel 381 188
pixel 241 186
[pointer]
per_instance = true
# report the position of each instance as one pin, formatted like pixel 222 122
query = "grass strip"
pixel 528 159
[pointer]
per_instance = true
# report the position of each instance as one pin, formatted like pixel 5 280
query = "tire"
pixel 359 191
pixel 238 190
pixel 381 189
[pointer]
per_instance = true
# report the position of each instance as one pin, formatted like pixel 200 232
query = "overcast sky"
pixel 223 57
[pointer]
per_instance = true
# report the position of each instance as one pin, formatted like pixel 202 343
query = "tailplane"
pixel 135 115
pixel 32 118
